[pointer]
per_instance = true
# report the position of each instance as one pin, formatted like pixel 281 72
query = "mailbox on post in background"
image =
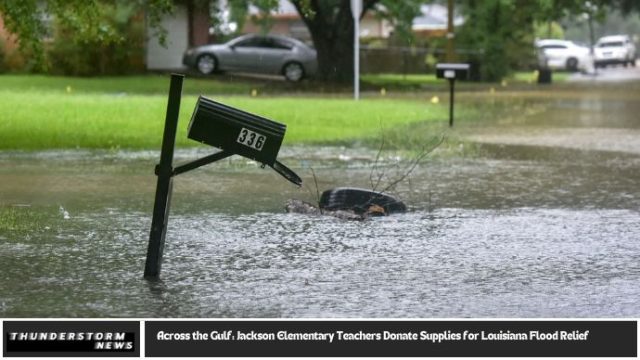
pixel 236 131
pixel 452 72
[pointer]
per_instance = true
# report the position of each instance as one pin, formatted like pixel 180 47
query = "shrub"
pixel 117 46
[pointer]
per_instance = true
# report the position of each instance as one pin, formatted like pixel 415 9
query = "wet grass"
pixel 37 119
pixel 19 219
pixel 122 85
pixel 414 81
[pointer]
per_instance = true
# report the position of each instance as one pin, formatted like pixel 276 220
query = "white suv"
pixel 563 55
pixel 616 49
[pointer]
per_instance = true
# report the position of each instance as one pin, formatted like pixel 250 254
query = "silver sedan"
pixel 252 53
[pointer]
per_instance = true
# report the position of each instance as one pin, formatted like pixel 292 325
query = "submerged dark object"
pixel 349 204
pixel 360 201
pixel 303 207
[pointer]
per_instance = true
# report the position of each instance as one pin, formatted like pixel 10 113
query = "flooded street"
pixel 534 214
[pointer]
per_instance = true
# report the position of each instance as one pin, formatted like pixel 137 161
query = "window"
pixel 252 42
pixel 281 44
pixel 611 44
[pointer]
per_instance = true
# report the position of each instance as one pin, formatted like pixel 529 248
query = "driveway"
pixel 612 73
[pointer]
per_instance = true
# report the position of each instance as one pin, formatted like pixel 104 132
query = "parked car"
pixel 616 49
pixel 253 53
pixel 564 55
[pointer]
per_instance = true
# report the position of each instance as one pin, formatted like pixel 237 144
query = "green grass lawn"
pixel 399 80
pixel 408 81
pixel 40 112
pixel 138 84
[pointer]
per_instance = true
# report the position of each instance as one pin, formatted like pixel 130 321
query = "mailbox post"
pixel 451 72
pixel 234 131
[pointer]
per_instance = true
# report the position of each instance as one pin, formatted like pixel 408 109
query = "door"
pixel 260 54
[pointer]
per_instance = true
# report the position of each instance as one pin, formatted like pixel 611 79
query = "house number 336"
pixel 251 139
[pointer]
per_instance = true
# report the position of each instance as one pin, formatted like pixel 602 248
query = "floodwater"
pixel 534 214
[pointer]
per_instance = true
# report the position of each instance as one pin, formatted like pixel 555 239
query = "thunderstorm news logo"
pixel 109 341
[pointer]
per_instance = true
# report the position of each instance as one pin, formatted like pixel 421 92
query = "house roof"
pixel 285 10
pixel 433 16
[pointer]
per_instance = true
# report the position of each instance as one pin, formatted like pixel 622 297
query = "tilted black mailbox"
pixel 234 131
pixel 239 132
pixel 452 72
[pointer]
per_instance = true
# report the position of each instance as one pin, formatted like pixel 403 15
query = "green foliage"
pixel 116 48
pixel 616 22
pixel 29 20
pixel 401 15
pixel 263 19
pixel 548 30
pixel 502 31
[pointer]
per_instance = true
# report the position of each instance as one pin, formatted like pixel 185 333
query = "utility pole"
pixel 590 10
pixel 356 10
pixel 450 32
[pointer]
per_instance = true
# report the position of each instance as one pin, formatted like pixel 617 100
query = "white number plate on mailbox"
pixel 251 139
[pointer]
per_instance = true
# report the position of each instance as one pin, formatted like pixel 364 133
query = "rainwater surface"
pixel 529 215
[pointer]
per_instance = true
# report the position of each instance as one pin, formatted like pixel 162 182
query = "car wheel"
pixel 206 64
pixel 293 71
pixel 572 64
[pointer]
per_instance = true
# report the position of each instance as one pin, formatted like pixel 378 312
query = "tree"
pixel 28 19
pixel 331 26
pixel 499 34
pixel 503 30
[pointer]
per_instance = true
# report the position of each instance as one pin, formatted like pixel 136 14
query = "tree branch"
pixel 425 151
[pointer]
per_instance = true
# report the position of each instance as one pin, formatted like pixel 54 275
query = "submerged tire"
pixel 359 200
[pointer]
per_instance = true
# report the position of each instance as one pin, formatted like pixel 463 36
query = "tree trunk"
pixel 335 55
pixel 331 28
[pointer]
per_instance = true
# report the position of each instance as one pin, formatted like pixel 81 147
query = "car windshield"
pixel 611 44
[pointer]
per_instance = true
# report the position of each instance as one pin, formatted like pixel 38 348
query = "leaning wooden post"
pixel 164 171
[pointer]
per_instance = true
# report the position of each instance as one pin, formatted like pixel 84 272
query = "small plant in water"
pixel 14 218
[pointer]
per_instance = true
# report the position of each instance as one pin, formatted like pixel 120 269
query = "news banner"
pixel 319 338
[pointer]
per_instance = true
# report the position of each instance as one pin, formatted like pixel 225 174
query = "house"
pixel 188 26
pixel 285 20
pixel 432 22
pixel 10 57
